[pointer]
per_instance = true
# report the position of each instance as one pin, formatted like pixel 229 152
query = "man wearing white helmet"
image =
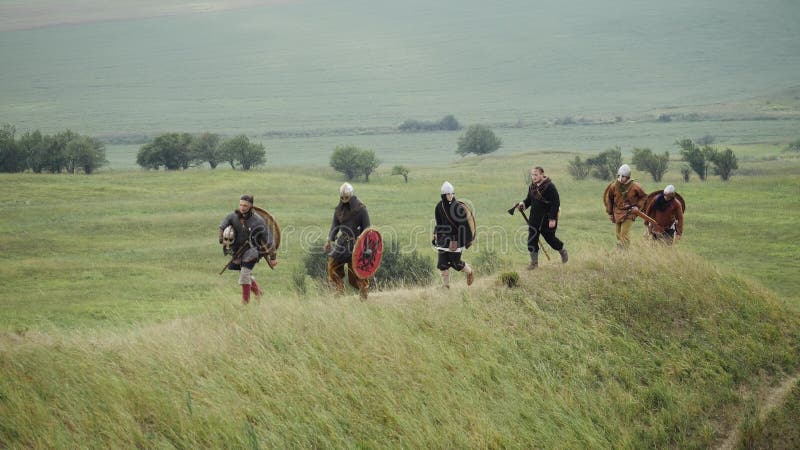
pixel 545 203
pixel 668 214
pixel 350 218
pixel 454 232
pixel 249 238
pixel 623 197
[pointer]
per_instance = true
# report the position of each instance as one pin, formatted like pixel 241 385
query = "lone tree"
pixel 345 160
pixel 578 168
pixel 605 165
pixel 401 170
pixel 367 162
pixel 239 151
pixel 353 161
pixel 655 165
pixel 725 163
pixel 478 139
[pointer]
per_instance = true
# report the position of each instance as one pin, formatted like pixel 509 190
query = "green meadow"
pixel 119 332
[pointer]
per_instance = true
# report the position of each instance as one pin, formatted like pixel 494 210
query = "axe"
pixel 538 235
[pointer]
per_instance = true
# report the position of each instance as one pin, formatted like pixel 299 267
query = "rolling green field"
pixel 83 248
pixel 306 76
pixel 118 332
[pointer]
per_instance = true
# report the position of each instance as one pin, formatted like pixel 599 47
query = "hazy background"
pixel 305 76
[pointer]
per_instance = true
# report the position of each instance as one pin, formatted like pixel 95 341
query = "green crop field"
pixel 306 76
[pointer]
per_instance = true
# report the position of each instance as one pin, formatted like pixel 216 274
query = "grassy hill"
pixel 118 332
pixel 611 350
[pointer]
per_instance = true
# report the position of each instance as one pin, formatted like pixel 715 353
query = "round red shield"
pixel 367 253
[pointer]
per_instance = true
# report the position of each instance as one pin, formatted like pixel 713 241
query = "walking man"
pixel 350 218
pixel 250 238
pixel 623 198
pixel 667 211
pixel 545 205
pixel 454 233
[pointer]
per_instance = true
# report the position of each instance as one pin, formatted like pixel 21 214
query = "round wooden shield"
pixel 367 253
pixel 651 197
pixel 470 218
pixel 272 224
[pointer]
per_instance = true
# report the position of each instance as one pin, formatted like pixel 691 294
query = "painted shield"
pixel 367 253
pixel 652 197
pixel 272 224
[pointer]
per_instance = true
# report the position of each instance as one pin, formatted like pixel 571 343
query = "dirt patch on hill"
pixel 27 14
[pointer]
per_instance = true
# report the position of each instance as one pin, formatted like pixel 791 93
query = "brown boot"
pixel 362 293
pixel 564 255
pixel 470 274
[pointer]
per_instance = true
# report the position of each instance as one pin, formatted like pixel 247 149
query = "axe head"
pixel 512 210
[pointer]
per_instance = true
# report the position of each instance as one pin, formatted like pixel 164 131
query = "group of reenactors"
pixel 251 233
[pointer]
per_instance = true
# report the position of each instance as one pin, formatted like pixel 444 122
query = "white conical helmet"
pixel 624 170
pixel 228 236
pixel 670 189
pixel 346 189
pixel 447 188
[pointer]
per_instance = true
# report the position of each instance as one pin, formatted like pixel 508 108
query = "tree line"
pixel 63 152
pixel 699 156
pixel 179 151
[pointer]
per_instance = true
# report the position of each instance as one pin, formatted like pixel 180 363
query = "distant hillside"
pixel 613 350
pixel 45 13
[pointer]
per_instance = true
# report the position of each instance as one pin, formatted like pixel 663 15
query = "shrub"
pixel 605 165
pixel 397 269
pixel 447 123
pixel 509 279
pixel 353 161
pixel 578 168
pixel 686 172
pixel 725 163
pixel 478 139
pixel 401 170
pixel 793 147
pixel 403 269
pixel 656 165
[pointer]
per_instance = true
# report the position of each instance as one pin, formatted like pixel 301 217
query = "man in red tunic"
pixel 668 214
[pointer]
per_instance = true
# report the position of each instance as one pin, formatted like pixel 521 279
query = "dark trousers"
pixel 549 235
pixel 450 259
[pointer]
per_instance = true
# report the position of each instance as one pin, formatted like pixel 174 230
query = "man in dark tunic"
pixel 350 219
pixel 545 204
pixel 452 235
pixel 252 239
